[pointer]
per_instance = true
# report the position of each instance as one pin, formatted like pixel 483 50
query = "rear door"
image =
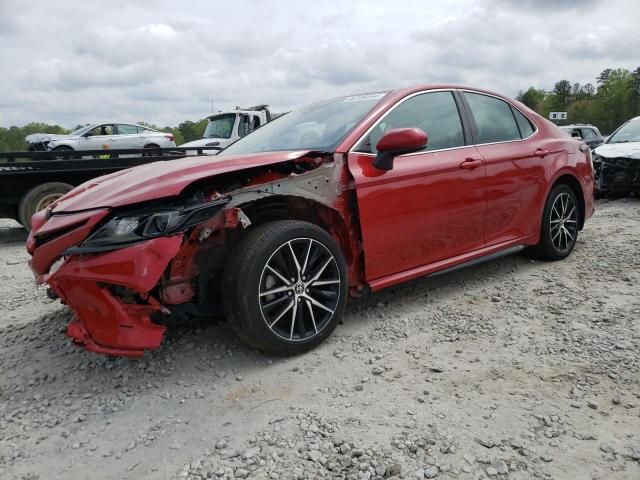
pixel 514 159
pixel 431 206
pixel 128 136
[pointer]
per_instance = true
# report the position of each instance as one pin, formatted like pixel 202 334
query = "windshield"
pixel 220 126
pixel 81 130
pixel 319 126
pixel 630 132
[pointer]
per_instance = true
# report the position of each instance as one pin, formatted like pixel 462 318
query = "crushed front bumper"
pixel 107 292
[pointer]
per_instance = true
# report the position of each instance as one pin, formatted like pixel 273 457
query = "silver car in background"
pixel 102 136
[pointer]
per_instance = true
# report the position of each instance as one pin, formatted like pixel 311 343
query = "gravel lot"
pixel 512 369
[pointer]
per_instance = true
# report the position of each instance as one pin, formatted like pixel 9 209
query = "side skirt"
pixel 451 264
pixel 476 261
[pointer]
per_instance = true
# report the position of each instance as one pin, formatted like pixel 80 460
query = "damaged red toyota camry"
pixel 340 198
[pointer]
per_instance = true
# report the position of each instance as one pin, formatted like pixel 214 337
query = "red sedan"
pixel 340 198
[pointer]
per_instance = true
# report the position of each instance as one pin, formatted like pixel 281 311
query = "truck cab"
pixel 224 128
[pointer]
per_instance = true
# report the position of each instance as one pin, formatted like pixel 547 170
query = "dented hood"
pixel 160 179
pixel 615 150
pixel 44 137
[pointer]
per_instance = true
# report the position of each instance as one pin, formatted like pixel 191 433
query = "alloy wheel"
pixel 299 289
pixel 564 222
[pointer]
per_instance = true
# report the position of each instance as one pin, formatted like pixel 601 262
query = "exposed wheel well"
pixel 298 208
pixel 574 184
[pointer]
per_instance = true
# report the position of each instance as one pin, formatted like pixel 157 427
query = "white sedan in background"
pixel 102 136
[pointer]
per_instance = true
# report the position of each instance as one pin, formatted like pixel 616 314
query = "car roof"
pixel 117 123
pixel 391 97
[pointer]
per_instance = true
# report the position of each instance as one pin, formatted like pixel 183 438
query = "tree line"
pixel 614 99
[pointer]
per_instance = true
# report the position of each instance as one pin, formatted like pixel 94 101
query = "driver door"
pixel 432 205
pixel 98 137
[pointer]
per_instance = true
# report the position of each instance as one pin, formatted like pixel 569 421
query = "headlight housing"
pixel 128 228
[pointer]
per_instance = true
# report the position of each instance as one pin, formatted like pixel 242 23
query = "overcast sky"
pixel 163 62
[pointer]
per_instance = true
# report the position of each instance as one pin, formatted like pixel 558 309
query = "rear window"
pixel 494 119
pixel 524 124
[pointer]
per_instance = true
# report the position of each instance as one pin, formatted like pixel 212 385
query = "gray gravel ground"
pixel 512 369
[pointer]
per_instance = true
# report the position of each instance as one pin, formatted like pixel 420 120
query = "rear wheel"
pixel 39 198
pixel 152 150
pixel 285 287
pixel 559 225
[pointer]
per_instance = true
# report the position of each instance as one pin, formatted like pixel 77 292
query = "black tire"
pixel 66 148
pixel 152 150
pixel 248 271
pixel 39 197
pixel 556 244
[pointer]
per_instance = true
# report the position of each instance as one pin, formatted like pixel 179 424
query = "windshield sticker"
pixel 365 97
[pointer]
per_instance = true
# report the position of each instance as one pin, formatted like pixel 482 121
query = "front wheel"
pixel 559 225
pixel 285 287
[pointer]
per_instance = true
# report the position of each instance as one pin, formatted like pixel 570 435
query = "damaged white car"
pixel 617 161
pixel 102 136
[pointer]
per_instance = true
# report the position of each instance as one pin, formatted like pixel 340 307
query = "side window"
pixel 124 129
pixel 524 124
pixel 243 125
pixel 256 122
pixel 493 117
pixel 435 113
pixel 102 130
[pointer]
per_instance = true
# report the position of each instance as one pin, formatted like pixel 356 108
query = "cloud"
pixel 73 62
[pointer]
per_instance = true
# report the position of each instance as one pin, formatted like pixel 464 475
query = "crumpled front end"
pixel 109 295
pixel 107 292
pixel 129 271
pixel 618 175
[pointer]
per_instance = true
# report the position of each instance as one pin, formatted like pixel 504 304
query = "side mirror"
pixel 398 142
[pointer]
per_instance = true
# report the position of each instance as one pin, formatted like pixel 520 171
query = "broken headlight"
pixel 129 228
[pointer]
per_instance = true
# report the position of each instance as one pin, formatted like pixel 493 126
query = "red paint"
pixel 159 179
pixel 402 138
pixel 107 323
pixel 433 210
pixel 424 210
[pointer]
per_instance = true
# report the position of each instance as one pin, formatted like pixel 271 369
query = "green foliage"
pixel 532 97
pixel 12 138
pixel 613 102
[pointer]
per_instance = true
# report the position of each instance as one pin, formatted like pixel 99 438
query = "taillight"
pixel 170 137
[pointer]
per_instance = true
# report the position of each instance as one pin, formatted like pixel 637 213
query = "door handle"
pixel 471 163
pixel 541 152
